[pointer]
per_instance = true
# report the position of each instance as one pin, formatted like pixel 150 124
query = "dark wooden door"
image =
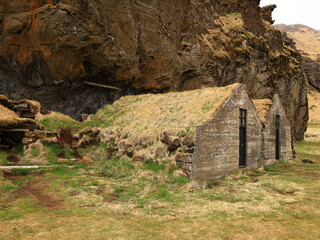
pixel 278 143
pixel 243 138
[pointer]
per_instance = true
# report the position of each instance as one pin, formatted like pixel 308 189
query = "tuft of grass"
pixel 278 186
pixel 156 167
pixel 162 194
pixel 35 152
pixel 9 187
pixel 19 150
pixel 212 183
pixel 115 167
pixel 208 106
pixel 21 171
pixel 278 167
pixel 52 151
pixel 54 124
pixel 181 180
pixel 3 158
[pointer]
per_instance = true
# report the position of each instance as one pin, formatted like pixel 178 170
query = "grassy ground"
pixel 114 199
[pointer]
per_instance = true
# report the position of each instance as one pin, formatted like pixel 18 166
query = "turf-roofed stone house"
pixel 276 132
pixel 209 132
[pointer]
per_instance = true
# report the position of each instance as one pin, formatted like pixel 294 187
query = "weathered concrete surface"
pixel 47 51
pixel 217 143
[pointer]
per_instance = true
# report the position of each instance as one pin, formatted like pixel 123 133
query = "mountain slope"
pixel 307 39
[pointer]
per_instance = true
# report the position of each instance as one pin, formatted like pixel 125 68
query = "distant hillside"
pixel 307 39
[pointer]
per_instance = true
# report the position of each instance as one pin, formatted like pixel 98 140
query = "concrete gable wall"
pixel 269 132
pixel 217 141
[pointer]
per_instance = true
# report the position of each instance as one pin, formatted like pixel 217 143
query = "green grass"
pixel 3 158
pixel 19 150
pixel 52 152
pixel 54 124
pixel 162 194
pixel 9 187
pixel 154 166
pixel 22 171
pixel 108 114
pixel 181 180
pixel 115 167
pixel 35 152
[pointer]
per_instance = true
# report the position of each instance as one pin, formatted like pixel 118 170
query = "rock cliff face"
pixel 48 49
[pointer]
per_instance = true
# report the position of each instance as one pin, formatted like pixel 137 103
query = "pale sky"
pixel 306 12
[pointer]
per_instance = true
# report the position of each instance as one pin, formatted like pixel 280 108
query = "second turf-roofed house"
pixel 276 133
pixel 209 132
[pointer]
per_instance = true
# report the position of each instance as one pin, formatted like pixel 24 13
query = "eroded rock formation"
pixel 48 49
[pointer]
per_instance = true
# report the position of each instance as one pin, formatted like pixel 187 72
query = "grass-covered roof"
pixel 141 120
pixel 174 110
pixel 262 106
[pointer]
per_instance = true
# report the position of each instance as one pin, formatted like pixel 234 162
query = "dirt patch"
pixel 36 189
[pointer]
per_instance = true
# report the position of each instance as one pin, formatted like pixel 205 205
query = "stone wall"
pixel 269 131
pixel 217 141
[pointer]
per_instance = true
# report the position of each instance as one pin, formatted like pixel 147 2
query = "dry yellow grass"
pixel 8 118
pixel 262 106
pixel 218 39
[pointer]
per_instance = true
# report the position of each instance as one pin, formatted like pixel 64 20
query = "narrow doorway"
pixel 243 139
pixel 278 144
